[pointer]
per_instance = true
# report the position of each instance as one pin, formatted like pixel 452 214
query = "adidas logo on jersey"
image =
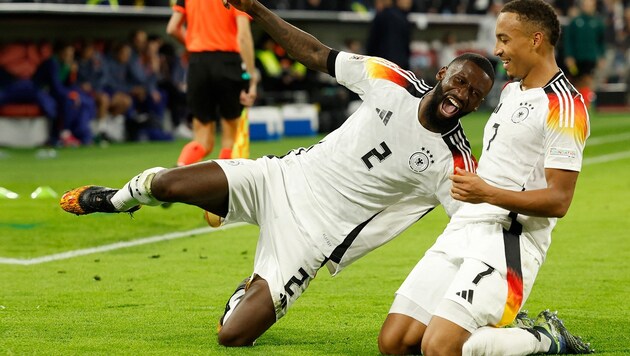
pixel 385 115
pixel 467 295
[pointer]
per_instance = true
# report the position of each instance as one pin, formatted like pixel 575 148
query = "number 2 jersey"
pixel 528 132
pixel 378 173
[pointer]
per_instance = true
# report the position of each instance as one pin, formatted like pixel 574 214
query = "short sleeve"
pixel 566 131
pixel 361 73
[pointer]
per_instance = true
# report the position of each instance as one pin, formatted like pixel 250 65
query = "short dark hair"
pixel 539 13
pixel 481 61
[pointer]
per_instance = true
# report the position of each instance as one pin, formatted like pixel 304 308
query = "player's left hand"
pixel 469 187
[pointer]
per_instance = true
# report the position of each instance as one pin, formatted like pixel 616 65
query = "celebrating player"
pixel 381 171
pixel 482 268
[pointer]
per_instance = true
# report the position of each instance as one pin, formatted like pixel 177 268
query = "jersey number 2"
pixel 380 156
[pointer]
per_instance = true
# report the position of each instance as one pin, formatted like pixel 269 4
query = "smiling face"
pixel 515 45
pixel 461 88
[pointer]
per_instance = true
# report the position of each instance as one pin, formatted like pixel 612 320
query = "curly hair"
pixel 538 13
pixel 481 61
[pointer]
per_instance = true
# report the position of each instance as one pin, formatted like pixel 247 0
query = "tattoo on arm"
pixel 300 45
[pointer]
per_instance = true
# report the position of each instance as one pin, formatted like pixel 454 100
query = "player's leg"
pixel 228 136
pixel 414 304
pixel 284 266
pixel 204 185
pixel 203 103
pixel 443 337
pixel 230 106
pixel 546 335
pixel 201 144
pixel 255 315
pixel 400 335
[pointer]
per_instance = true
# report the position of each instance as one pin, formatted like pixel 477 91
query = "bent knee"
pixel 392 342
pixel 396 346
pixel 442 345
pixel 164 185
pixel 229 338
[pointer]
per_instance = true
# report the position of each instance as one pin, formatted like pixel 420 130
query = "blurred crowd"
pixel 134 89
pixel 95 91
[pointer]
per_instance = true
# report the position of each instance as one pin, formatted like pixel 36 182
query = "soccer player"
pixel 218 41
pixel 482 268
pixel 331 203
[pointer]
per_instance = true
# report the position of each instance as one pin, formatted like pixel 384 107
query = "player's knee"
pixel 440 346
pixel 229 337
pixel 391 343
pixel 164 185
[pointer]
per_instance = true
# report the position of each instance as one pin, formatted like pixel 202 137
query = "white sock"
pixel 489 340
pixel 137 191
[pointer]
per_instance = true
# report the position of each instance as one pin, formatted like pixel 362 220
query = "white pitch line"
pixel 176 235
pixel 600 140
pixel 606 158
pixel 114 246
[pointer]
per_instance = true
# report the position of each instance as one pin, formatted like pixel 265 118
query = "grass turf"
pixel 165 298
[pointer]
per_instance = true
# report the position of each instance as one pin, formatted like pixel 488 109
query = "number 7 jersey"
pixel 529 131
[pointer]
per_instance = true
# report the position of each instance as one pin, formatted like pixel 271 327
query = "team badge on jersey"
pixel 522 112
pixel 420 161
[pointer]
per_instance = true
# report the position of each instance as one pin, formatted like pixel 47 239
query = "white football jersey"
pixel 380 157
pixel 529 130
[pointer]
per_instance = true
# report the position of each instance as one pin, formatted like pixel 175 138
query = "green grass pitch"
pixel 166 297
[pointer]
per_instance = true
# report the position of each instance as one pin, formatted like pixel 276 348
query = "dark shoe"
pixel 563 342
pixel 90 199
pixel 233 301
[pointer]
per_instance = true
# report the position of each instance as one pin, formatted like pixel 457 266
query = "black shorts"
pixel 214 85
pixel 585 68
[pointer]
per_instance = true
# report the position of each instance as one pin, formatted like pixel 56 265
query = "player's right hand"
pixel 243 5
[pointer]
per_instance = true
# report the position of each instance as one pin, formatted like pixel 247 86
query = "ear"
pixel 538 39
pixel 441 73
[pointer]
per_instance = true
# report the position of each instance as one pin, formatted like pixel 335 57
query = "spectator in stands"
pixel 76 108
pixel 151 72
pixel 280 74
pixel 390 33
pixel 92 77
pixel 447 49
pixel 123 78
pixel 173 82
pixel 584 48
pixel 111 104
pixel 19 62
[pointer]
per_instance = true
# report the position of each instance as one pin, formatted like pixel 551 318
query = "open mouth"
pixel 450 106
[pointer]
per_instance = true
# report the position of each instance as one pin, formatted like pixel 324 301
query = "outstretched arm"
pixel 553 201
pixel 300 45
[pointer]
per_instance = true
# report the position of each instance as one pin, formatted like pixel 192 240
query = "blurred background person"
pixel 390 32
pixel 584 48
pixel 219 41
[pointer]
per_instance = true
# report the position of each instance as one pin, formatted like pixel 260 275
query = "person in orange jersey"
pixel 221 59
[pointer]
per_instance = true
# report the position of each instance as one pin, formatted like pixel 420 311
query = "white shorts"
pixel 468 291
pixel 285 257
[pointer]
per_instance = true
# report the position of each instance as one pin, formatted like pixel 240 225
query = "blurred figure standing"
pixel 218 40
pixel 390 32
pixel 584 48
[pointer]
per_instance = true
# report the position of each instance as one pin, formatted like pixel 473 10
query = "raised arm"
pixel 300 45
